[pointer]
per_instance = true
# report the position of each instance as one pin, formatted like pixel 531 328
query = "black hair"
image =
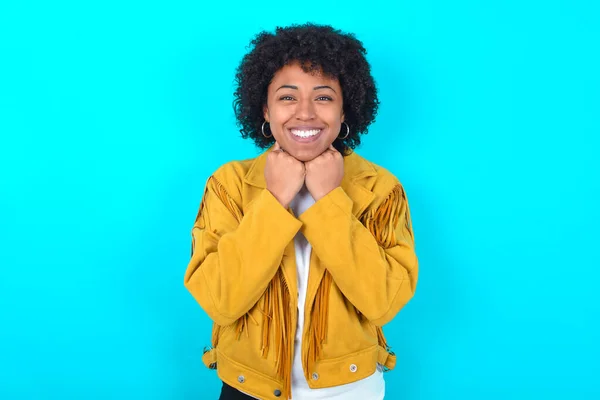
pixel 317 48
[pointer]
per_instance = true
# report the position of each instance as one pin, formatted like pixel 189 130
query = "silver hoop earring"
pixel 347 131
pixel 263 130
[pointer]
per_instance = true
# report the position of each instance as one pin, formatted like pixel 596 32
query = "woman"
pixel 302 254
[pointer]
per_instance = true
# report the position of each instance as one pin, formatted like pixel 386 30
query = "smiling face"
pixel 304 111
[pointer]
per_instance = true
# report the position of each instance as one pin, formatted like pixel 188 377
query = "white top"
pixel 370 388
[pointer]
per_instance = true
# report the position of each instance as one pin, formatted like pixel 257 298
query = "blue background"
pixel 112 116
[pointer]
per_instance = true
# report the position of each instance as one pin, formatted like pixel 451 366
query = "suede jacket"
pixel 242 272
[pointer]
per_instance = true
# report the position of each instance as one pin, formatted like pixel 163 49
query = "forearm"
pixel 378 281
pixel 228 274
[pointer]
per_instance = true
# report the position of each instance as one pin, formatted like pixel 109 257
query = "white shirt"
pixel 369 388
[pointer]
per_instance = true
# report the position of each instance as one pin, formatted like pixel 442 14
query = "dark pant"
pixel 229 393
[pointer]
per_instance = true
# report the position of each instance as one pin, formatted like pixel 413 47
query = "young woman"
pixel 302 254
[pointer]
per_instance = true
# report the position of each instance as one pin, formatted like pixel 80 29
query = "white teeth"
pixel 305 134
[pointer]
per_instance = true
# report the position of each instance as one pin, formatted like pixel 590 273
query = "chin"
pixel 305 155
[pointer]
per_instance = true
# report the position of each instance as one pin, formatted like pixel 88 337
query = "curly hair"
pixel 317 48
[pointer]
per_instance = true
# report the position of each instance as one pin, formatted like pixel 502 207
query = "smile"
pixel 307 134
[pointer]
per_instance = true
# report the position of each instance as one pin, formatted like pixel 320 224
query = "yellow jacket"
pixel 363 270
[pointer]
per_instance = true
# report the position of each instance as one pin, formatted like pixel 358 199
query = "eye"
pixel 324 98
pixel 286 98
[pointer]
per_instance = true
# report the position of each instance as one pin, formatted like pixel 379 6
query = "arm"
pixel 234 257
pixel 374 264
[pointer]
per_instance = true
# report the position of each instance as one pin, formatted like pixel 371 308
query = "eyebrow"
pixel 315 88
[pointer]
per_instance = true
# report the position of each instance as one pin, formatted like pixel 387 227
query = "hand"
pixel 324 173
pixel 284 175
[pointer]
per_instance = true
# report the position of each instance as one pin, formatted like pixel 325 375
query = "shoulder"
pixel 377 178
pixel 231 177
pixel 232 173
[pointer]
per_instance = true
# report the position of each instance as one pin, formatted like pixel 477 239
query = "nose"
pixel 305 110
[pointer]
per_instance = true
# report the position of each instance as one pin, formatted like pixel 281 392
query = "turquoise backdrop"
pixel 113 114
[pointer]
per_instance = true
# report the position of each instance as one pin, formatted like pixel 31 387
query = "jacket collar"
pixel 356 170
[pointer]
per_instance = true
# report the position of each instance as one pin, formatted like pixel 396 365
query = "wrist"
pixel 284 201
pixel 319 194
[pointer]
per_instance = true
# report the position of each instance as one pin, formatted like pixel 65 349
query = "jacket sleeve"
pixel 373 262
pixel 235 256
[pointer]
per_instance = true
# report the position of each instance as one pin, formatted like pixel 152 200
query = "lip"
pixel 305 128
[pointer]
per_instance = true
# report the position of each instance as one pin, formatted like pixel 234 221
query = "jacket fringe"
pixel 277 321
pixel 215 335
pixel 382 221
pixel 317 331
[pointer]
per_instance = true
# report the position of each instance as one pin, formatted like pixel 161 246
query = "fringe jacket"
pixel 242 272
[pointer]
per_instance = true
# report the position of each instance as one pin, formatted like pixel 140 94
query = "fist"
pixel 284 175
pixel 324 173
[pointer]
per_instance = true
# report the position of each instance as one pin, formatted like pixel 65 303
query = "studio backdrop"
pixel 114 114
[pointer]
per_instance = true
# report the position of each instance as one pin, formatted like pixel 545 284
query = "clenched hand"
pixel 324 173
pixel 284 175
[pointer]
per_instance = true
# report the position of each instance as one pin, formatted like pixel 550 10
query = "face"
pixel 304 111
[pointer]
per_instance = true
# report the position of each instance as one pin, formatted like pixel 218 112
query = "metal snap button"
pixel 277 393
pixel 241 379
pixel 353 367
pixel 315 376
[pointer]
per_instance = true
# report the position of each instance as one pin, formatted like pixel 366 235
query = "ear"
pixel 266 113
pixel 343 117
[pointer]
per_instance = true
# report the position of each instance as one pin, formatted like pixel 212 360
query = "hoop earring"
pixel 263 130
pixel 347 131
